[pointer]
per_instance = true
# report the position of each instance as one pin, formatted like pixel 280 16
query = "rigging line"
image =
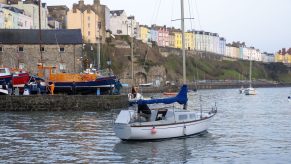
pixel 171 22
pixel 58 47
pixel 154 12
pixel 158 9
pixel 190 14
pixel 198 17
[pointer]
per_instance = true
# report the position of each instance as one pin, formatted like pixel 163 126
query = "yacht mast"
pixel 183 41
pixel 250 72
pixel 40 37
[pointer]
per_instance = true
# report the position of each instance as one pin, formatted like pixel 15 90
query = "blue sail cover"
pixel 181 98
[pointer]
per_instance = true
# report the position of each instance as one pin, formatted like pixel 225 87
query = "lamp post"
pixel 94 61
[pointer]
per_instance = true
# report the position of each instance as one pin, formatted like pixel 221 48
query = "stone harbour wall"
pixel 62 103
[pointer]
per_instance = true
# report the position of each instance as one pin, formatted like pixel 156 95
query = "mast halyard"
pixel 183 42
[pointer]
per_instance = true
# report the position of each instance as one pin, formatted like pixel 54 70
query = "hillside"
pixel 201 67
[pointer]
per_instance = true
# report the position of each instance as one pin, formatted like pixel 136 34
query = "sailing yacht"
pixel 250 90
pixel 140 122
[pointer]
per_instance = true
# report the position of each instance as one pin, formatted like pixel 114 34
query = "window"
pixel 1 49
pixel 192 116
pixel 88 25
pixel 183 117
pixel 89 33
pixel 42 49
pixel 21 66
pixel 20 49
pixel 88 18
pixel 62 49
pixel 2 70
pixel 62 66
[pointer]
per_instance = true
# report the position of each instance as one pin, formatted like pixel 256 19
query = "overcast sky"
pixel 264 24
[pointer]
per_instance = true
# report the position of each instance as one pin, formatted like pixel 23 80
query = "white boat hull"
pixel 160 131
pixel 250 91
pixel 3 92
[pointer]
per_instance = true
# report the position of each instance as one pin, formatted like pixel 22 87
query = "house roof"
pixel 31 36
pixel 14 9
pixel 117 12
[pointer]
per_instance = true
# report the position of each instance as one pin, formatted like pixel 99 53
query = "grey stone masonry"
pixel 62 103
pixel 68 56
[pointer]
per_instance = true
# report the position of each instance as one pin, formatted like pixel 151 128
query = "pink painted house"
pixel 163 36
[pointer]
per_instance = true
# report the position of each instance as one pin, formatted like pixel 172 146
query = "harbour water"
pixel 247 129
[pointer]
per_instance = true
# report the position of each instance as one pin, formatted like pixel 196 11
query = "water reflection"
pixel 178 150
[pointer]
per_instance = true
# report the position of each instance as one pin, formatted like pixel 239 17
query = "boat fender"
pixel 184 130
pixel 154 130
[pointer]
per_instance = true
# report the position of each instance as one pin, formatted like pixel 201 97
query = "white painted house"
pixel 31 9
pixel 250 53
pixel 121 24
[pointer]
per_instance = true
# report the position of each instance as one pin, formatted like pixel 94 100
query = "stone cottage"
pixel 26 48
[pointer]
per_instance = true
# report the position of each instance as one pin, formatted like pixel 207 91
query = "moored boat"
pixel 142 123
pixel 77 83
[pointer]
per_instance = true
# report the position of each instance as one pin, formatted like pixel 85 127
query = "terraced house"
pixel 15 18
pixel 31 9
pixel 283 56
pixel 145 33
pixel 91 19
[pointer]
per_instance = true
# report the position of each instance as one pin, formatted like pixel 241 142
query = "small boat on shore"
pixel 20 79
pixel 78 83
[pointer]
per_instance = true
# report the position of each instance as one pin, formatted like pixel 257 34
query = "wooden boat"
pixel 77 83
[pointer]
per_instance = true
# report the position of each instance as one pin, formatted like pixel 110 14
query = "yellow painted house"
pixel 87 21
pixel 8 19
pixel 279 57
pixel 178 39
pixel 283 58
pixel 189 41
pixel 144 33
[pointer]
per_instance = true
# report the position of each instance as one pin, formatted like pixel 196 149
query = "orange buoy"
pixel 154 130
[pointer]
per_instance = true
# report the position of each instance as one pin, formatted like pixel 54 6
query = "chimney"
pixel 81 3
pixel 283 51
pixel 96 2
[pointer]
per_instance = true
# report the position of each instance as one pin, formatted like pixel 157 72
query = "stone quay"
pixel 62 103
